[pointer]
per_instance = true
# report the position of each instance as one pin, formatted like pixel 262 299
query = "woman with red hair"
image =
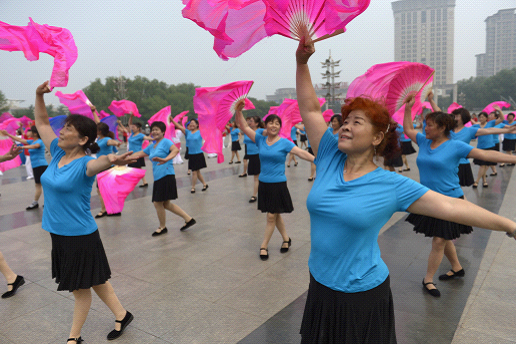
pixel 349 298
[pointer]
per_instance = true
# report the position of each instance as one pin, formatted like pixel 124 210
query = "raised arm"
pixel 95 114
pixel 45 131
pixel 430 98
pixel 15 138
pixel 409 130
pixel 457 210
pixel 124 128
pixel 310 108
pixel 178 125
pixel 241 122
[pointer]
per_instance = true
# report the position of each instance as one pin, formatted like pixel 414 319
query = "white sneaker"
pixel 30 177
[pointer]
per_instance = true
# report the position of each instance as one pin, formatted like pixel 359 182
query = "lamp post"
pixel 330 75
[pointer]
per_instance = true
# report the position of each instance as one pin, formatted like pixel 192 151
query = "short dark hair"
pixel 86 127
pixel 137 124
pixel 105 130
pixel 159 125
pixel 34 130
pixel 272 118
pixel 339 118
pixel 465 115
pixel 443 120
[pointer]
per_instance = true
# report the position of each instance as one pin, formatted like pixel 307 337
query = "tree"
pixel 3 103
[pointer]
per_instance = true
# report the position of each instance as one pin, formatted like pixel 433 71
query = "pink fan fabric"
pixel 5 146
pixel 115 184
pixel 11 125
pixel 77 103
pixel 391 83
pixel 295 115
pixel 184 121
pixel 163 116
pixel 327 114
pixel 26 121
pixel 491 107
pixel 5 116
pixel 122 107
pixel 145 144
pixel 427 105
pixel 215 106
pixel 35 38
pixel 103 114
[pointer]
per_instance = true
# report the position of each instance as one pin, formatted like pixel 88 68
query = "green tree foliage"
pixel 481 91
pixel 261 107
pixel 3 103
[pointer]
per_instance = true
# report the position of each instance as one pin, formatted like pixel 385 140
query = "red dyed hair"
pixel 380 119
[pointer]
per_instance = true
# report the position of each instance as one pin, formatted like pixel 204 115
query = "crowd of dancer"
pixel 349 298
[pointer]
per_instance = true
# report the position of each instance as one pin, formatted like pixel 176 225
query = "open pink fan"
pixel 11 125
pixel 215 106
pixel 5 146
pixel 103 114
pixel 77 103
pixel 295 112
pixel 163 116
pixel 327 114
pixel 35 38
pixel 453 107
pixel 491 107
pixel 427 105
pixel 115 184
pixel 122 107
pixel 5 116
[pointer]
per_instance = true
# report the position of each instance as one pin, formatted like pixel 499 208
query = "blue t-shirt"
pixel 135 142
pixel 235 134
pixel 67 196
pixel 438 167
pixel 194 142
pixel 485 141
pixel 466 135
pixel 104 148
pixel 161 150
pixel 495 137
pixel 331 130
pixel 272 159
pixel 509 136
pixel 251 147
pixel 402 136
pixel 346 218
pixel 293 133
pixel 37 154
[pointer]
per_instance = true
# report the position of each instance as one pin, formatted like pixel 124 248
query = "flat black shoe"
pixel 156 233
pixel 446 277
pixel 264 256
pixel 77 340
pixel 475 185
pixel 189 224
pixel 485 185
pixel 116 214
pixel 231 162
pixel 253 199
pixel 238 162
pixel 493 174
pixel 204 187
pixel 18 282
pixel 433 292
pixel 311 179
pixel 32 206
pixel 144 185
pixel 285 249
pixel 243 175
pixel 123 324
pixel 99 215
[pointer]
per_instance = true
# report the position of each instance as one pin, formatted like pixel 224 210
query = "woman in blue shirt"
pixel 196 160
pixel 438 160
pixel 251 159
pixel 509 139
pixel 349 298
pixel 235 133
pixel 273 195
pixel 39 164
pixel 135 141
pixel 161 153
pixel 292 157
pixel 79 262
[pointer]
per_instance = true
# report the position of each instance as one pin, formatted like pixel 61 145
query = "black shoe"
pixel 238 162
pixel 204 187
pixel 77 340
pixel 433 292
pixel 156 233
pixel 485 185
pixel 311 179
pixel 123 324
pixel 99 215
pixel 493 174
pixel 231 162
pixel 264 256
pixel 253 199
pixel 192 190
pixel 32 206
pixel 144 185
pixel 475 185
pixel 243 175
pixel 18 282
pixel 446 277
pixel 285 249
pixel 189 224
pixel 116 214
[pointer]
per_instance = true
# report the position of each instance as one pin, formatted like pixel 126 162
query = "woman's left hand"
pixel 43 88
pixel 122 159
pixel 160 161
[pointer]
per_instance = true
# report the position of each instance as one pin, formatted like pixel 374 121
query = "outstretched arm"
pixel 458 210
pixel 178 125
pixel 409 130
pixel 45 131
pixel 302 154
pixel 15 138
pixel 492 156
pixel 100 164
pixel 310 108
pixel 241 123
pixel 13 153
pixel 508 129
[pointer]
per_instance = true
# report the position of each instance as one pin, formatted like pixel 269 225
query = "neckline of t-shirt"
pixel 342 169
pixel 271 145
pixel 434 149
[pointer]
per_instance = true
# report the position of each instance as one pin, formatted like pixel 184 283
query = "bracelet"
pixel 511 235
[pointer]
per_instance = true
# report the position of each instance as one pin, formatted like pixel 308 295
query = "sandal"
pixel 285 249
pixel 253 199
pixel 101 214
pixel 296 164
pixel 311 179
pixel 493 174
pixel 231 162
pixel 264 256
pixel 243 175
pixel 475 185
pixel 485 185
pixel 192 190
pixel 77 340
pixel 288 165
pixel 204 187
pixel 501 165
pixel 406 169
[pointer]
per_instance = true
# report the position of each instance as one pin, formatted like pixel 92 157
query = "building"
pixel 321 91
pixel 424 32
pixel 500 44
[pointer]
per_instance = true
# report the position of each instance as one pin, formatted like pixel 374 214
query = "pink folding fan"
pixel 122 107
pixel 491 107
pixel 77 103
pixel 5 146
pixel 115 184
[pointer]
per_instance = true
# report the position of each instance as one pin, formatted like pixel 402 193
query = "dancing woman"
pixel 161 153
pixel 39 164
pixel 509 139
pixel 335 124
pixel 79 262
pixel 292 157
pixel 349 298
pixel 135 140
pixel 252 167
pixel 235 133
pixel 14 281
pixel 196 158
pixel 438 160
pixel 273 195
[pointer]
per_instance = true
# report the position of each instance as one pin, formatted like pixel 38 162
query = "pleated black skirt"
pixel 164 189
pixel 394 162
pixel 79 262
pixel 274 198
pixel 186 154
pixel 407 148
pixel 253 165
pixel 196 161
pixel 432 227
pixel 236 146
pixel 508 145
pixel 332 316
pixel 483 162
pixel 465 175
pixel 138 164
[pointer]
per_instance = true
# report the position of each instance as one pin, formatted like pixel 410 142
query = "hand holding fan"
pixel 491 107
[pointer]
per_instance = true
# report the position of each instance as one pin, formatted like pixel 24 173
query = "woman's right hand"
pixel 410 101
pixel 304 52
pixel 43 88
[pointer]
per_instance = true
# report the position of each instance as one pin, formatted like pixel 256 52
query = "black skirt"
pixel 37 172
pixel 432 227
pixel 332 316
pixel 508 145
pixel 303 138
pixel 309 149
pixel 164 189
pixel 295 142
pixel 274 198
pixel 236 146
pixel 246 156
pixel 407 148
pixel 394 162
pixel 196 162
pixel 253 165
pixel 483 162
pixel 138 164
pixel 186 154
pixel 79 262
pixel 465 175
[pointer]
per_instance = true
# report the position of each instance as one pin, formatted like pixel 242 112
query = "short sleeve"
pixel 147 150
pixel 326 148
pixel 259 139
pixel 187 133
pixel 408 191
pixel 463 149
pixel 288 145
pixel 420 139
pixel 30 141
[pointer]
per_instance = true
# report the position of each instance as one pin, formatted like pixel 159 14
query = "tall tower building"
pixel 424 32
pixel 500 44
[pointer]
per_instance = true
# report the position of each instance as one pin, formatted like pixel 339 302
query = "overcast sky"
pixel 152 39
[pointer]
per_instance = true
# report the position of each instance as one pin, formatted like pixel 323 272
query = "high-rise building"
pixel 424 32
pixel 500 44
